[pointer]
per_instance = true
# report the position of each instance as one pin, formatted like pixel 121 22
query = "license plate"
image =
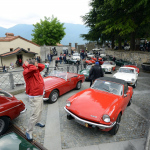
pixel 86 125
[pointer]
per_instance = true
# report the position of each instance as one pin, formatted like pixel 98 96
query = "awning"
pixel 16 51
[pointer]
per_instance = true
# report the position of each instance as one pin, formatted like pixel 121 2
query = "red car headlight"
pixel 106 118
pixel 68 103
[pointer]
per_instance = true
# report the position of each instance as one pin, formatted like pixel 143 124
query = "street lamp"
pixel 45 51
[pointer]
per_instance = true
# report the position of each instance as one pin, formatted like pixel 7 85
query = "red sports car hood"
pixel 50 82
pixel 92 104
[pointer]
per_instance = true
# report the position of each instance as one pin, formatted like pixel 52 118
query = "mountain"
pixel 73 32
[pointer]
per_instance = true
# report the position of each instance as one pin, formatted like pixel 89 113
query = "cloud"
pixel 31 11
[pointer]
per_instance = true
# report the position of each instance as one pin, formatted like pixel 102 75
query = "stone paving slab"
pixel 22 120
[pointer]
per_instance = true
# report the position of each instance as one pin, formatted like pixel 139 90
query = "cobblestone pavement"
pixel 22 120
pixel 132 126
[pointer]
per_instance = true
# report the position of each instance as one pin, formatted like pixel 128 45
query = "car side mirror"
pixel 125 95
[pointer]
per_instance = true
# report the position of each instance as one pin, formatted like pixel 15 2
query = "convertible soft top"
pixel 113 80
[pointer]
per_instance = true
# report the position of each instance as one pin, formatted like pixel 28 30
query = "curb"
pixel 15 92
pixel 147 145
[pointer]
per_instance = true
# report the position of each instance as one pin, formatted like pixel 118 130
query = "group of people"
pixel 60 59
pixel 146 46
pixel 19 62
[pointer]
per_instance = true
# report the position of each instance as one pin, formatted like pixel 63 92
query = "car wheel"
pixel 130 102
pixel 134 86
pixel 69 117
pixel 53 96
pixel 78 86
pixel 115 129
pixel 4 123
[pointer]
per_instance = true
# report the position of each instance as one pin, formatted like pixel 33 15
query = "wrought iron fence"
pixel 11 80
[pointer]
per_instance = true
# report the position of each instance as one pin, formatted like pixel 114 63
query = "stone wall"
pixel 133 56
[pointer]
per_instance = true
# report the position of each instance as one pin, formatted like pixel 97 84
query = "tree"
pixel 49 31
pixel 119 18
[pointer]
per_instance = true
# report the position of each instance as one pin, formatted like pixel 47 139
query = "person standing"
pixel 49 57
pixel 145 46
pixel 34 89
pixel 20 62
pixel 4 68
pixel 64 58
pixel 47 66
pixel 95 72
pixel 61 58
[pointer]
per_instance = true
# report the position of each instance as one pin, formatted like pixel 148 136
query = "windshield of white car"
pixel 59 74
pixel 108 86
pixel 108 63
pixel 126 70
pixel 76 54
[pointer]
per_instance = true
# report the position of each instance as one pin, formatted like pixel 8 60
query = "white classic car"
pixel 128 74
pixel 76 56
pixel 102 55
pixel 108 66
pixel 90 55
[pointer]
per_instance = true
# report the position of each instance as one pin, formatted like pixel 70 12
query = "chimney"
pixel 9 34
pixel 70 44
pixel 76 45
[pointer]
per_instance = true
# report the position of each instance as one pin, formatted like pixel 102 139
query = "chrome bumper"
pixel 130 83
pixel 23 111
pixel 45 99
pixel 81 121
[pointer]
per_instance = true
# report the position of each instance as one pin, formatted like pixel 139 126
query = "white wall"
pixel 5 46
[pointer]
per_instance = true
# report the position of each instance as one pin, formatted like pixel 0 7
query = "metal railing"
pixel 11 80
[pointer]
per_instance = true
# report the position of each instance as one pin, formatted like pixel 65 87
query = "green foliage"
pixel 109 18
pixel 49 31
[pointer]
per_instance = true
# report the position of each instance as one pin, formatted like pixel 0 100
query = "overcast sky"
pixel 14 12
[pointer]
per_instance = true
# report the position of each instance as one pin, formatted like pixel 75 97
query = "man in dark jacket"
pixel 34 89
pixel 95 72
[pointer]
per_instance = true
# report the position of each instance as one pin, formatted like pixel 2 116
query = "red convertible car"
pixel 102 105
pixel 100 60
pixel 58 83
pixel 10 108
pixel 90 61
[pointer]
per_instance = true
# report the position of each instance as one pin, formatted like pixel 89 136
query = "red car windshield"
pixel 108 86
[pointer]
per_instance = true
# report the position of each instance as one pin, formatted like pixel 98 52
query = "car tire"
pixel 78 86
pixel 53 96
pixel 115 129
pixel 130 102
pixel 134 86
pixel 69 117
pixel 4 123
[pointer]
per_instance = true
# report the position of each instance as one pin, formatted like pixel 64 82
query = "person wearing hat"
pixel 95 72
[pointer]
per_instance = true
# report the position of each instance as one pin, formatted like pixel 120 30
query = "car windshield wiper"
pixel 106 90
